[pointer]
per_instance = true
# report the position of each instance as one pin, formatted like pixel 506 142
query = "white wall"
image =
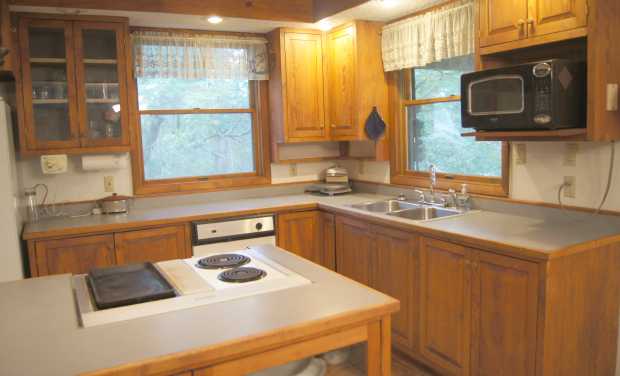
pixel 75 184
pixel 542 174
pixel 78 185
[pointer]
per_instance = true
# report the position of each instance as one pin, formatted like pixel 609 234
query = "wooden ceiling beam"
pixel 326 8
pixel 277 10
pixel 280 10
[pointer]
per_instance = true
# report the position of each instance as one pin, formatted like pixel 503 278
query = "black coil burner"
pixel 224 261
pixel 240 275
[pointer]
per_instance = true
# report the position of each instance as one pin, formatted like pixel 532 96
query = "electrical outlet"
pixel 570 154
pixel 108 183
pixel 570 190
pixel 521 154
pixel 292 169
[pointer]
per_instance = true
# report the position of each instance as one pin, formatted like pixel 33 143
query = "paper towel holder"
pixel 103 162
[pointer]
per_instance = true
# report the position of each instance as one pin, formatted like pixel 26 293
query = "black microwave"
pixel 548 94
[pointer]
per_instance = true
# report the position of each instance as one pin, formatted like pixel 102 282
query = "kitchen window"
pixel 201 106
pixel 430 130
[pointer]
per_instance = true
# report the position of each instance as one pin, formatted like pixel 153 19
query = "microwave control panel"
pixel 542 93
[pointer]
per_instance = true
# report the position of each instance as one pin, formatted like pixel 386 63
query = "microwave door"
pixel 497 95
pixel 495 102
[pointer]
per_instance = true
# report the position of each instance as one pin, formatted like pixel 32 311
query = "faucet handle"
pixel 401 197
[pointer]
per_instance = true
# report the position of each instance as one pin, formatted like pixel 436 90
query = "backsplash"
pixel 542 174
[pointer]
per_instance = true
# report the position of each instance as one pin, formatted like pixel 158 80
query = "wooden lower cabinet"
pixel 75 255
pixel 479 311
pixel 154 245
pixel 386 260
pixel 394 269
pixel 81 254
pixel 309 234
pixel 463 311
pixel 353 249
pixel 504 318
pixel 445 305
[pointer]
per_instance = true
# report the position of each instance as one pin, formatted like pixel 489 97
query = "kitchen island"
pixel 41 334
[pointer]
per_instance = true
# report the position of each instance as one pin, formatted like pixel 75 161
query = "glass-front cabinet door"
pixel 100 68
pixel 74 84
pixel 49 92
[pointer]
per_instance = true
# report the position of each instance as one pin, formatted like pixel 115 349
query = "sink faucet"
pixel 433 175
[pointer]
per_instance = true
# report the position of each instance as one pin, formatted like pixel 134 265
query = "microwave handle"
pixel 612 97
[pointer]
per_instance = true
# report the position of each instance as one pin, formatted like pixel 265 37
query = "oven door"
pixel 496 100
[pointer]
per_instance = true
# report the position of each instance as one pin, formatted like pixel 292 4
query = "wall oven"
pixel 548 94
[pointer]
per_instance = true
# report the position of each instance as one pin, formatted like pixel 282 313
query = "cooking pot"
pixel 115 204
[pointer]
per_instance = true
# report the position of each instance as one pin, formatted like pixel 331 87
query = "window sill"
pixel 476 185
pixel 185 187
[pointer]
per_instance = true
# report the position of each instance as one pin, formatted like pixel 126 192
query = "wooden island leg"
pixel 379 348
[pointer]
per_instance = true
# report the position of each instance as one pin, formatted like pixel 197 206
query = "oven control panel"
pixel 233 229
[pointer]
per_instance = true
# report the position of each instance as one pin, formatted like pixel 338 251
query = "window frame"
pixel 400 87
pixel 259 107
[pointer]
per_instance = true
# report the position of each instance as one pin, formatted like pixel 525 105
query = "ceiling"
pixel 374 10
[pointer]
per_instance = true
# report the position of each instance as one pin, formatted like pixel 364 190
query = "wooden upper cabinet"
pixel 445 305
pixel 75 255
pixel 49 94
pixel 6 37
pixel 73 84
pixel 322 86
pixel 356 80
pixel 502 21
pixel 297 100
pixel 505 315
pixel 341 67
pixel 353 249
pixel 101 83
pixel 152 245
pixel 395 273
pixel 552 16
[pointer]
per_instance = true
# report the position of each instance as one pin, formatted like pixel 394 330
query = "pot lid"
pixel 336 171
pixel 116 197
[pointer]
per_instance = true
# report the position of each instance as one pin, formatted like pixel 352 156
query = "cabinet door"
pixel 327 239
pixel 445 305
pixel 5 35
pixel 502 21
pixel 304 99
pixel 298 233
pixel 395 273
pixel 76 255
pixel 101 83
pixel 353 248
pixel 341 66
pixel 48 84
pixel 552 16
pixel 504 315
pixel 152 245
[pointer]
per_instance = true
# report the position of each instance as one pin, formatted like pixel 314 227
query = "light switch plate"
pixel 54 164
pixel 612 97
pixel 570 154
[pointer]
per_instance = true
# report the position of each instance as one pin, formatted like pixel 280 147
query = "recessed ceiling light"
pixel 215 19
pixel 324 25
pixel 388 3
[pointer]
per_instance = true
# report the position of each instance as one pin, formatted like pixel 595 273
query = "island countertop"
pixel 532 236
pixel 41 336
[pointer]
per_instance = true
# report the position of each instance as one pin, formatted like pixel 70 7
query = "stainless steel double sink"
pixel 405 209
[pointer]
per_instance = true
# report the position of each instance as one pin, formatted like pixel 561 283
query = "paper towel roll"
pixel 103 162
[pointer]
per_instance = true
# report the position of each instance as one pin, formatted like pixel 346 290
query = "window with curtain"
pixel 428 54
pixel 198 108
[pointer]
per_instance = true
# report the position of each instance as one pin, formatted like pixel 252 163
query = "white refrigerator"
pixel 11 222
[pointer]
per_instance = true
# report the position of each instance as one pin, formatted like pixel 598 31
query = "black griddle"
pixel 119 286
